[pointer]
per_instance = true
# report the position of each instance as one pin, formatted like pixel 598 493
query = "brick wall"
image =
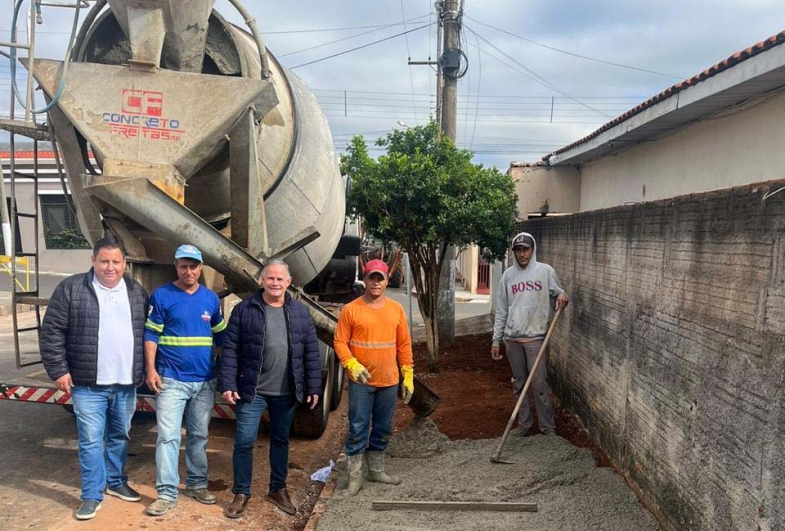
pixel 672 352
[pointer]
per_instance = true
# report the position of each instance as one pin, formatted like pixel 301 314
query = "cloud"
pixel 499 113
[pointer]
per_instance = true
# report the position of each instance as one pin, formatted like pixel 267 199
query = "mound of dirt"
pixel 419 440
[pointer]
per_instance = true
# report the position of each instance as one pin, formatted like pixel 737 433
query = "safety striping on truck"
pixel 44 395
pixel 48 395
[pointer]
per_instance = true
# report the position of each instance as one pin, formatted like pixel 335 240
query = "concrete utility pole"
pixel 451 12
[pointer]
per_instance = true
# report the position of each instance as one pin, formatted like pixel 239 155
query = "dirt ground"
pixel 39 477
pixel 476 396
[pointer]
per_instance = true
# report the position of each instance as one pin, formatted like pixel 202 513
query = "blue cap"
pixel 188 251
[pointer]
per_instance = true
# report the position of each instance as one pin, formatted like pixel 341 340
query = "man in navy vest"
pixel 270 361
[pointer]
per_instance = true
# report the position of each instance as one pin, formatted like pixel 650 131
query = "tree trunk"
pixel 431 302
pixel 427 284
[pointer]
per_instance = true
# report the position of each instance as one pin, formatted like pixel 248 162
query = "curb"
pixel 321 505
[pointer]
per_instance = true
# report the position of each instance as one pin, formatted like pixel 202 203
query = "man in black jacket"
pixel 270 361
pixel 91 346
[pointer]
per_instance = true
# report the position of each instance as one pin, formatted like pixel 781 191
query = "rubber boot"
pixel 376 471
pixel 355 466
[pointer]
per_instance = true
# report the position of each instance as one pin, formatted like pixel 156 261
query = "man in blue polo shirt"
pixel 184 321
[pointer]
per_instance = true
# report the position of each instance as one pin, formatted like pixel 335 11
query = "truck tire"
pixel 311 423
pixel 339 381
pixel 396 279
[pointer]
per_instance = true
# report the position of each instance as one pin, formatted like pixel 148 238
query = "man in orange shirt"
pixel 372 341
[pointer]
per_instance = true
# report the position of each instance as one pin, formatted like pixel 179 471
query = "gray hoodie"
pixel 524 300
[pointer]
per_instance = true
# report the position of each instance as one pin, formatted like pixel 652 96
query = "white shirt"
pixel 115 335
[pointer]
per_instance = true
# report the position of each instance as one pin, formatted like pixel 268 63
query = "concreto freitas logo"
pixel 144 102
pixel 142 115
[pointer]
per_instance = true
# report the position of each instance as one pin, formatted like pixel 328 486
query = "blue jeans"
pixel 370 409
pixel 281 412
pixel 196 399
pixel 103 421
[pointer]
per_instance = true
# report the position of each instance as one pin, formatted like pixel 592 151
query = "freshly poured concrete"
pixel 571 492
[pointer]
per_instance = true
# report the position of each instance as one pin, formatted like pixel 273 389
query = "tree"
pixel 425 194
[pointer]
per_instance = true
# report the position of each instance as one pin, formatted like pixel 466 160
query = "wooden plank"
pixel 387 505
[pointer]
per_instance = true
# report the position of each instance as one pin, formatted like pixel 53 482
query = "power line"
pixel 537 78
pixel 620 65
pixel 360 47
pixel 408 59
pixel 338 29
pixel 479 83
pixel 351 37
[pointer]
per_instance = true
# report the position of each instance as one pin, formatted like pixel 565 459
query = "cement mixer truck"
pixel 175 127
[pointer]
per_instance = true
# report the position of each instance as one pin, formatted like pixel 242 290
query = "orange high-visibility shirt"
pixel 378 338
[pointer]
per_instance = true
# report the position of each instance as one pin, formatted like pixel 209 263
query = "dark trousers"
pixel 249 415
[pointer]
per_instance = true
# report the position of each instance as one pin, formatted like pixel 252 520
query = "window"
pixel 61 230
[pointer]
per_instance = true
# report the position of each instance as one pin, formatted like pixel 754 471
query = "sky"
pixel 538 75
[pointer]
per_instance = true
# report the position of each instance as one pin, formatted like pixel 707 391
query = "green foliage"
pixel 65 239
pixel 425 191
pixel 424 194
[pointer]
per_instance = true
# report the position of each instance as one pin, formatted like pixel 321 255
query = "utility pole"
pixel 448 71
pixel 450 16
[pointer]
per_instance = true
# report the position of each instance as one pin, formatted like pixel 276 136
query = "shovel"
pixel 497 457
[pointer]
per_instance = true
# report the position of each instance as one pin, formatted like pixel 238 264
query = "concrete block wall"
pixel 672 353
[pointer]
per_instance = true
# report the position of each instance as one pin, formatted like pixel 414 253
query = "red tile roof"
pixel 736 58
pixel 29 155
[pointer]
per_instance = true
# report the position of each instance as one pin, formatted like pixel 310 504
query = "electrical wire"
pixel 409 58
pixel 537 78
pixel 359 47
pixel 479 85
pixel 620 65
pixel 350 37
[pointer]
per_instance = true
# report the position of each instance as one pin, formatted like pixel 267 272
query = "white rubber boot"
pixel 355 465
pixel 376 471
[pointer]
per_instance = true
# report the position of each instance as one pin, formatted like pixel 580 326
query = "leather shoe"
pixel 236 508
pixel 280 498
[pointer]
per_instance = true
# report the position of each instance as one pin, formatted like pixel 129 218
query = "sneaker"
pixel 200 495
pixel 549 432
pixel 124 492
pixel 160 506
pixel 87 510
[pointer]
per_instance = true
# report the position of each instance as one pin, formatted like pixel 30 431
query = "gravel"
pixel 571 492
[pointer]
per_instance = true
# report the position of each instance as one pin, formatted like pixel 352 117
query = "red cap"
pixel 376 266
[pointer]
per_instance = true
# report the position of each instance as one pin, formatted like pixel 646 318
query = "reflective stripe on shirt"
pixel 153 326
pixel 173 341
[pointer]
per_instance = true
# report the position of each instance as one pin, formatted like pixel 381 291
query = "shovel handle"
pixel 527 384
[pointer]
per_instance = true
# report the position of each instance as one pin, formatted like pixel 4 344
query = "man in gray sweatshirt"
pixel 524 302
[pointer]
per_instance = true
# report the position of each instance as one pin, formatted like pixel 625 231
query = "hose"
pixel 251 22
pixel 12 54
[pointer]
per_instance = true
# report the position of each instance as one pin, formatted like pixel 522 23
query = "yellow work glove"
pixel 359 373
pixel 408 383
